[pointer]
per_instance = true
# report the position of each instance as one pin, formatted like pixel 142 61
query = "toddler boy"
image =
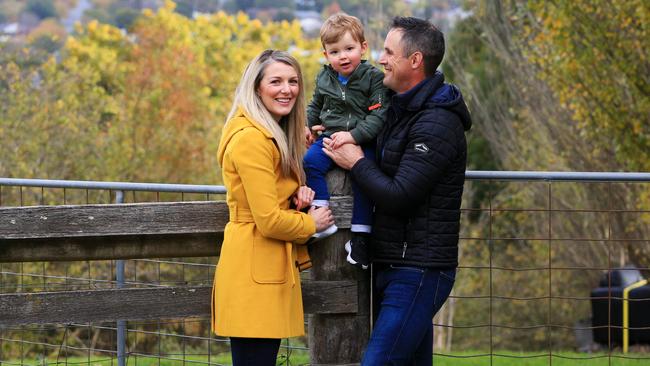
pixel 348 106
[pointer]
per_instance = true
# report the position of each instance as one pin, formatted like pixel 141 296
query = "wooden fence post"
pixel 339 339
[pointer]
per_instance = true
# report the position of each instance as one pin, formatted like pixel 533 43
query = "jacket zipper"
pixel 347 123
pixel 342 91
pixel 404 250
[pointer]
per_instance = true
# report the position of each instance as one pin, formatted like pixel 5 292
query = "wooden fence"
pixel 336 294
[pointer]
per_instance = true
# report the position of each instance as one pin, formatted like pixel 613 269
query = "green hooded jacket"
pixel 358 107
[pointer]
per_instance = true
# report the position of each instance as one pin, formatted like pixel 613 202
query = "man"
pixel 416 184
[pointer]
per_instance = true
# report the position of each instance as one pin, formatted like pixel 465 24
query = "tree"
pixel 151 103
pixel 542 80
pixel 185 7
pixel 594 57
pixel 41 8
pixel 125 17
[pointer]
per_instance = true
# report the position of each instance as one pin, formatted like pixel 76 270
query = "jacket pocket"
pixel 326 110
pixel 304 260
pixel 269 262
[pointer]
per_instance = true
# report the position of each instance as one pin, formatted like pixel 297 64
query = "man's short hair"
pixel 421 35
pixel 337 25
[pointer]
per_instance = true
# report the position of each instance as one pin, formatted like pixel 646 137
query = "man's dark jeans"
pixel 403 332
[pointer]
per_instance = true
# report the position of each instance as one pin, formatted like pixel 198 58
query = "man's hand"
pixel 341 138
pixel 345 155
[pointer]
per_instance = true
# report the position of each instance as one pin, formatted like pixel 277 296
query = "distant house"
pixel 13 32
pixel 445 19
pixel 151 4
pixel 9 29
pixel 310 21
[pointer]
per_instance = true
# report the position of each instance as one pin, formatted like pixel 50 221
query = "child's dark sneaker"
pixel 357 249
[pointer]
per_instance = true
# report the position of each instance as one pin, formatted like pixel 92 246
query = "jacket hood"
pixel 439 94
pixel 448 96
pixel 237 123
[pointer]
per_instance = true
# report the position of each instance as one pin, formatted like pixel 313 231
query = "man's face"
pixel 397 68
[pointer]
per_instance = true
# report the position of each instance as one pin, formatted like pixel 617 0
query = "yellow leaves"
pixel 241 18
pixel 160 93
pixel 202 20
pixel 71 44
pixel 169 5
pixel 591 56
pixel 48 28
pixel 256 24
pixel 91 27
pixel 59 105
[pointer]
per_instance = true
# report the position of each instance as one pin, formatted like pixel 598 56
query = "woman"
pixel 257 298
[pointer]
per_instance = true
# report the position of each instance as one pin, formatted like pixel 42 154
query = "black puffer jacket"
pixel 417 181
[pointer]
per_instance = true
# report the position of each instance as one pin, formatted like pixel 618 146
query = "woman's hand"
pixel 309 137
pixel 322 216
pixel 303 197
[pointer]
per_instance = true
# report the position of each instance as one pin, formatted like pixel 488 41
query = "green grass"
pixel 506 358
pixel 301 357
pixel 296 357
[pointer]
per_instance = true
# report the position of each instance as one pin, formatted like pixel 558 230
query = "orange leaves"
pixel 141 106
pixel 175 78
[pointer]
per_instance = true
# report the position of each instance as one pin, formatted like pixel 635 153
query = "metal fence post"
pixel 119 276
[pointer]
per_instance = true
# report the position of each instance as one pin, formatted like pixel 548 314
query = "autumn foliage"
pixel 146 105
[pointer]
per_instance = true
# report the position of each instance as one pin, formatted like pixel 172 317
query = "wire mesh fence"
pixel 534 248
pixel 533 254
pixel 160 342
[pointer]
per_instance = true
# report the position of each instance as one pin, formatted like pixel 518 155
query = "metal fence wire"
pixel 541 254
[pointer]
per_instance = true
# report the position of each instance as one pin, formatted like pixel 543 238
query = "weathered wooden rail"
pixel 336 296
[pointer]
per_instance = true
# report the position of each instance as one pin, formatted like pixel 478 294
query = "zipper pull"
pixel 343 94
pixel 404 250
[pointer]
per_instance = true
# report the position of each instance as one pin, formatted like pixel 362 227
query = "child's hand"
pixel 341 138
pixel 316 129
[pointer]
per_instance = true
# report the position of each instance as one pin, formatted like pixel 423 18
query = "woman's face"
pixel 279 89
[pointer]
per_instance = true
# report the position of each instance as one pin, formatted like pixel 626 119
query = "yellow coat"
pixel 256 289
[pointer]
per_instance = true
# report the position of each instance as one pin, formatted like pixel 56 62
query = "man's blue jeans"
pixel 317 164
pixel 403 332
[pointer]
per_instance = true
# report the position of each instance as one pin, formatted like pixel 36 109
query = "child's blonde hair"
pixel 337 25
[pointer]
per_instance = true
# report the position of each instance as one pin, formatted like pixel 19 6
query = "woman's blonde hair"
pixel 289 133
